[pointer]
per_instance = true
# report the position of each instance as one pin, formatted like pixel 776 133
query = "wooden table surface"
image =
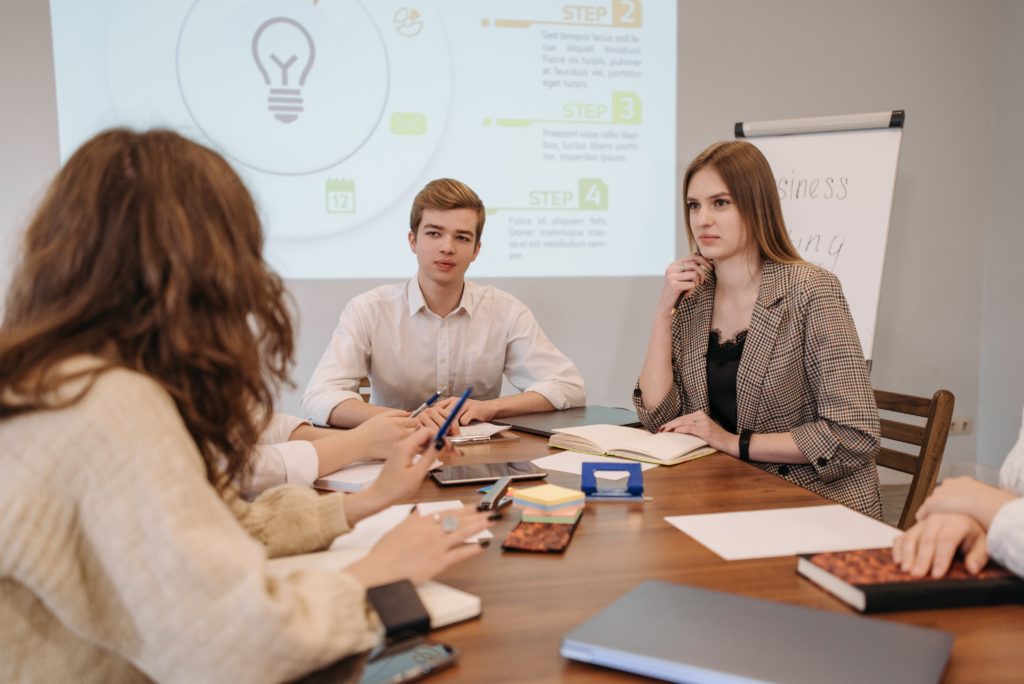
pixel 531 600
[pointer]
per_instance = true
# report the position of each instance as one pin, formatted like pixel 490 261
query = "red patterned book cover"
pixel 870 581
pixel 542 537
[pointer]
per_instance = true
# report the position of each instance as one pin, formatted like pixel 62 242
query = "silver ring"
pixel 449 523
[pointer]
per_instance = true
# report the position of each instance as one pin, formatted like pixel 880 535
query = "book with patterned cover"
pixel 539 537
pixel 870 581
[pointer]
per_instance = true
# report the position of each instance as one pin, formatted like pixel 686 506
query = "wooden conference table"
pixel 531 600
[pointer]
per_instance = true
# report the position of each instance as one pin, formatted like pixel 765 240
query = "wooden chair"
pixel 364 389
pixel 931 438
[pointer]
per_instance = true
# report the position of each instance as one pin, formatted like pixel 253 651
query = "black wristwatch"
pixel 745 436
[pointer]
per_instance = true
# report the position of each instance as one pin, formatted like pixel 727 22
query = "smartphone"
pixel 487 472
pixel 407 661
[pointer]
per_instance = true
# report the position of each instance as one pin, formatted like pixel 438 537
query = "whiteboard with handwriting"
pixel 836 191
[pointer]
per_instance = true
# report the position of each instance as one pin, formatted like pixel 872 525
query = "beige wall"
pixel 950 314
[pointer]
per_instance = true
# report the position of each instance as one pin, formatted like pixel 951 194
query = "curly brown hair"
pixel 147 252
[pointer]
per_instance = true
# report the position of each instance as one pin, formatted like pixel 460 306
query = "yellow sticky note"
pixel 549 495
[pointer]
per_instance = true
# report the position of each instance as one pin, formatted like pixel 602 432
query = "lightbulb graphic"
pixel 283 43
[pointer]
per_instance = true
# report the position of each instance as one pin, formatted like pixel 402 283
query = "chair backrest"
pixel 931 438
pixel 364 389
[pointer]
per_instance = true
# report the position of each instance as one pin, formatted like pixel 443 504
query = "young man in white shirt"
pixel 438 332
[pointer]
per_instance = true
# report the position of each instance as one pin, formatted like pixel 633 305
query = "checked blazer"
pixel 802 371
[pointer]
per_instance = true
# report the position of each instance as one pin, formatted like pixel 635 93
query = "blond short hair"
pixel 444 194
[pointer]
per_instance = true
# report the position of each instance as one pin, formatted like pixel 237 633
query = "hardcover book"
pixel 870 581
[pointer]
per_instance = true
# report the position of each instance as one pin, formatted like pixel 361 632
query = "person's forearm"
pixel 362 505
pixel 310 433
pixel 339 450
pixel 986 506
pixel 656 372
pixel 334 448
pixel 353 412
pixel 517 404
pixel 772 447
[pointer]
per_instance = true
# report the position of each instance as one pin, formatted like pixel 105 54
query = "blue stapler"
pixel 633 491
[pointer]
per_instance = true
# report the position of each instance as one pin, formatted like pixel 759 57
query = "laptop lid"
pixel 684 634
pixel 544 423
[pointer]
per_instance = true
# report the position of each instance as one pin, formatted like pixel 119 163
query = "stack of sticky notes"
pixel 549 503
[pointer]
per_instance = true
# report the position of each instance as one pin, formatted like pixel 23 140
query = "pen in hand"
pixel 682 295
pixel 425 405
pixel 439 438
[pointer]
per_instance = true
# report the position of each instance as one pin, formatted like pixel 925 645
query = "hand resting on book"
pixel 955 517
pixel 930 545
pixel 700 425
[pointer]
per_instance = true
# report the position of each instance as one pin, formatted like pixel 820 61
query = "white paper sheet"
pixel 785 531
pixel 353 478
pixel 369 530
pixel 445 604
pixel 477 432
pixel 572 462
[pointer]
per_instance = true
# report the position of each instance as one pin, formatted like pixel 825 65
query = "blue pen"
pixel 425 405
pixel 439 439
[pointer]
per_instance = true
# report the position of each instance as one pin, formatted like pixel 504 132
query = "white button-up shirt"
pixel 277 461
pixel 1006 533
pixel 389 335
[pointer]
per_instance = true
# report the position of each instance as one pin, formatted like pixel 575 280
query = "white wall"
pixel 1002 328
pixel 28 120
pixel 949 315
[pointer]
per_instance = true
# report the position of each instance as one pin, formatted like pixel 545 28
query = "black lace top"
pixel 723 360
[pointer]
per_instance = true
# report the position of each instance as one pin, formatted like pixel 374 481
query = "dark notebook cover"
pixel 685 634
pixel 871 582
pixel 544 423
pixel 539 537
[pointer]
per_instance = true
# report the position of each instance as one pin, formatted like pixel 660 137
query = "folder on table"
pixel 685 634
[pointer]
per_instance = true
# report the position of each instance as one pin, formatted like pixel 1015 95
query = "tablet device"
pixel 487 472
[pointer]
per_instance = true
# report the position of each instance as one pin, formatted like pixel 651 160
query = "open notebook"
pixel 663 448
pixel 446 605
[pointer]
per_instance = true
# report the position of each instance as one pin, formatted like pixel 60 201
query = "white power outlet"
pixel 961 425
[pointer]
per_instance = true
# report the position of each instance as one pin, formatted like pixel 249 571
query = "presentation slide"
pixel 336 113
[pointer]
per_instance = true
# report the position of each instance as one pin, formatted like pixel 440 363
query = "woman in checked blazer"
pixel 752 348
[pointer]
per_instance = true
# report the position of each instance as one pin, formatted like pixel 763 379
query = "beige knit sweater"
pixel 118 560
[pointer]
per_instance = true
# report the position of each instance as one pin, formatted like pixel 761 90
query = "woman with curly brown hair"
pixel 143 340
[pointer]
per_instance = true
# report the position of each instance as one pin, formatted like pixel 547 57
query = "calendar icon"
pixel 341 196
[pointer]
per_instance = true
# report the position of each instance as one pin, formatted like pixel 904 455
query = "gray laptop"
pixel 684 634
pixel 543 423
